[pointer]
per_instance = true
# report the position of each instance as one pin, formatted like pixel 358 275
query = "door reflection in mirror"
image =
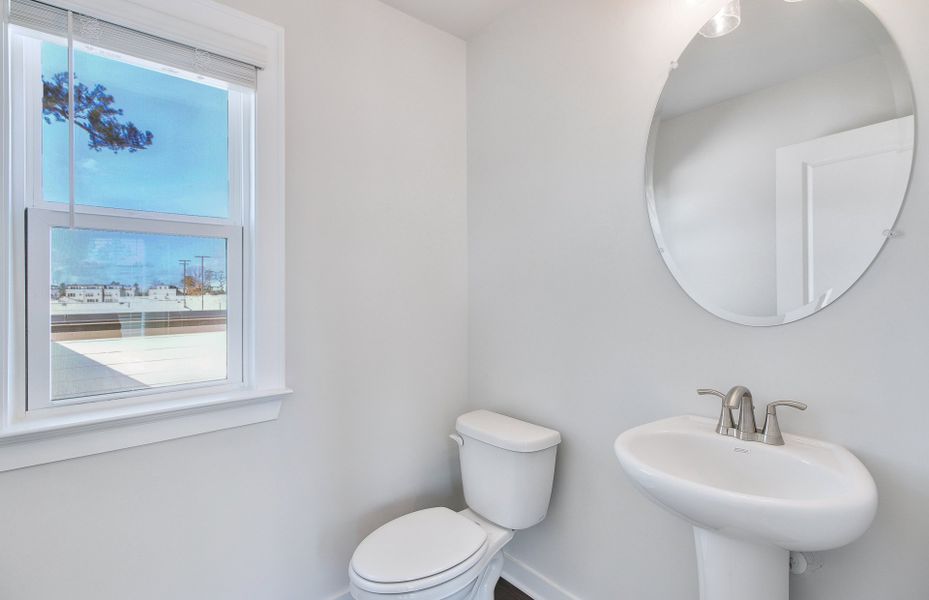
pixel 779 156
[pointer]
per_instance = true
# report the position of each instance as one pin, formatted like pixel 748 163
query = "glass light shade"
pixel 723 22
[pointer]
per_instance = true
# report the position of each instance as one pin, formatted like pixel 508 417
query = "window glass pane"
pixel 144 139
pixel 54 128
pixel 132 311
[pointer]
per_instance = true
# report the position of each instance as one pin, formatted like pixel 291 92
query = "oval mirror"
pixel 779 157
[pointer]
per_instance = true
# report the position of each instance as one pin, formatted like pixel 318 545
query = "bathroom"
pixel 466 228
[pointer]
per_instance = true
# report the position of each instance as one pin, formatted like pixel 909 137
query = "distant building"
pixel 92 294
pixel 162 292
pixel 86 294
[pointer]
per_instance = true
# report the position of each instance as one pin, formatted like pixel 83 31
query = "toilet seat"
pixel 418 551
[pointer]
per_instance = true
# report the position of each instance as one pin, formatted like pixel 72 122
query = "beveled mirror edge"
pixel 810 309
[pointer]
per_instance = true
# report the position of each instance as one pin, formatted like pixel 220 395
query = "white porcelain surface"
pixel 475 583
pixel 420 545
pixel 807 495
pixel 507 468
pixel 506 432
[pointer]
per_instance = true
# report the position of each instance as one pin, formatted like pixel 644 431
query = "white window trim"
pixel 76 430
pixel 40 224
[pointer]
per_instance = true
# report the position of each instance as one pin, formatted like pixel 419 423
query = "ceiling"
pixel 462 18
pixel 776 42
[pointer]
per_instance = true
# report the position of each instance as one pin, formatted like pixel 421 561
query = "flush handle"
pixel 457 439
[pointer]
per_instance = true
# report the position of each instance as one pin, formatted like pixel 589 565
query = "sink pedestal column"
pixel 734 569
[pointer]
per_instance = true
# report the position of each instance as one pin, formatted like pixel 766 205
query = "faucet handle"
pixel 771 433
pixel 772 406
pixel 725 424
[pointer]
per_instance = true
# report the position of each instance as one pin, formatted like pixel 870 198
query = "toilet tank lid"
pixel 506 432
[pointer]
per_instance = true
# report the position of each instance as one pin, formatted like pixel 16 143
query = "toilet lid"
pixel 418 545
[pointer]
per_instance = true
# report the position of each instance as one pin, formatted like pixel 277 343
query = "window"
pixel 116 326
pixel 134 222
pixel 137 213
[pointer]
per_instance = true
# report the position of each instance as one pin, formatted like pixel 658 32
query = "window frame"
pixel 44 215
pixel 255 384
pixel 40 223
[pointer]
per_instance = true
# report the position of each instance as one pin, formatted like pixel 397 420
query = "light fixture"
pixel 723 22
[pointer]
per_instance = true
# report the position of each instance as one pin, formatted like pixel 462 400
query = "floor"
pixel 506 591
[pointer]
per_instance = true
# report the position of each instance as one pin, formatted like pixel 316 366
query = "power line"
pixel 185 262
pixel 202 282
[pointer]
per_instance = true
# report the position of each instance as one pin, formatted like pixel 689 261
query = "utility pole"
pixel 185 262
pixel 202 283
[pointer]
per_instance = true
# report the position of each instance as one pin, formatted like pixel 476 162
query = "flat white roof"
pixel 90 367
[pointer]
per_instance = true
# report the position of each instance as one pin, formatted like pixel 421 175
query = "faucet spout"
pixel 741 397
pixel 735 396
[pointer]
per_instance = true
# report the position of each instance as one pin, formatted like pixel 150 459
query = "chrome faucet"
pixel 741 397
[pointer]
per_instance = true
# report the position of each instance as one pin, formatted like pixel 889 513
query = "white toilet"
pixel 507 469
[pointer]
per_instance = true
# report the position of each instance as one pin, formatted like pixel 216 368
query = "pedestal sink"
pixel 750 504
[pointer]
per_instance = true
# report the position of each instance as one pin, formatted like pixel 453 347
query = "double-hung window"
pixel 132 255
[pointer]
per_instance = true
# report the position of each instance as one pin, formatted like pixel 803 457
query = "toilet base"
pixel 481 588
pixel 484 590
pixel 480 584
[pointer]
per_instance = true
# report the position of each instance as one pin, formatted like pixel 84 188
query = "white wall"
pixel 714 174
pixel 376 300
pixel 577 324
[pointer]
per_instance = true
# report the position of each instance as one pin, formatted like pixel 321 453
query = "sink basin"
pixel 750 503
pixel 805 495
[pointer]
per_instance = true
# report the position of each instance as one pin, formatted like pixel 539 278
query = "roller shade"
pixel 103 34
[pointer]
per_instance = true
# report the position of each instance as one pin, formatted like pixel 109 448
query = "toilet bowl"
pixel 440 559
pixel 507 469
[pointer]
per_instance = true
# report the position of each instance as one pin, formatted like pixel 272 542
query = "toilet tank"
pixel 507 467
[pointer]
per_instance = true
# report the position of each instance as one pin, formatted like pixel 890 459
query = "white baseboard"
pixel 532 582
pixel 342 596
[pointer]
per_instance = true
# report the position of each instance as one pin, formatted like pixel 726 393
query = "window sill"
pixel 51 439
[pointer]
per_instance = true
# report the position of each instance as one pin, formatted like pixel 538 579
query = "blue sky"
pixel 184 171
